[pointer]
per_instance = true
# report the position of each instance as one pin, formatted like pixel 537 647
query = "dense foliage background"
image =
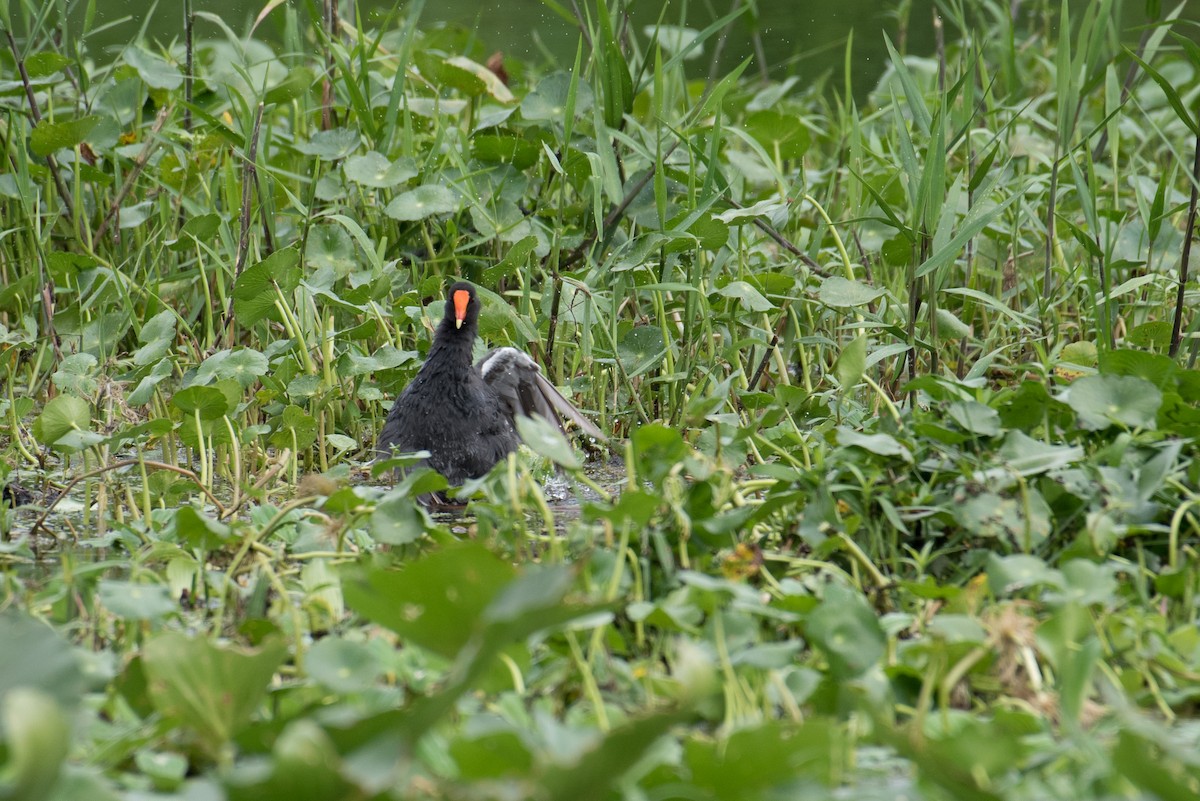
pixel 902 494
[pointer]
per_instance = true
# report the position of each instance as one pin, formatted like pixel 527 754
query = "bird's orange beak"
pixel 461 298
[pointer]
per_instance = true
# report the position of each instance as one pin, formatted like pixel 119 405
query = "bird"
pixel 463 413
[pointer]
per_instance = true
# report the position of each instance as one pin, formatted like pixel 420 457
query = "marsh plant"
pixel 901 492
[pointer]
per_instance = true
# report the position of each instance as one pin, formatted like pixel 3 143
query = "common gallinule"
pixel 463 413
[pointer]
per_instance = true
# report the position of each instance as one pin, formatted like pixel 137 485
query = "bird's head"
pixel 461 303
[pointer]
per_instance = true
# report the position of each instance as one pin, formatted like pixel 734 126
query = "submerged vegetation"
pixel 901 499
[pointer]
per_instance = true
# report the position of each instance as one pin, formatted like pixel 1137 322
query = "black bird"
pixel 463 413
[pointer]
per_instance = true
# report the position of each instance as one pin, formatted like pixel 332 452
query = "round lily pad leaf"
pixel 422 202
pixel 845 628
pixel 1156 333
pixel 1083 353
pixel 130 601
pixel 297 429
pixel 548 102
pixel 59 417
pixel 778 132
pixel 210 690
pixel 1102 400
pixel 245 365
pixel 164 769
pixel 330 246
pixel 385 358
pixel 344 666
pixel 374 170
pixel 209 402
pixel 641 349
pixel 397 521
pixel 254 291
pixel 331 145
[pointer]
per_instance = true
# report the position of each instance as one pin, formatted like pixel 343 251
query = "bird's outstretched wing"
pixel 517 379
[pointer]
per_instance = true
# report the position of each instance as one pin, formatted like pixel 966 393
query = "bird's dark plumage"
pixel 463 413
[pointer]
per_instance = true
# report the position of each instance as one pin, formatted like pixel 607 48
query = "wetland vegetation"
pixel 900 499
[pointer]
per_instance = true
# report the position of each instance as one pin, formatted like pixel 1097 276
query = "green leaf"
pixel 330 246
pixel 1022 455
pixel 144 392
pixel 60 416
pixel 506 149
pixel 344 666
pixel 399 520
pixel 385 358
pixel 1171 93
pixel 435 602
pixel 596 774
pixel 746 295
pixel 657 449
pixel 154 71
pixel 1153 762
pixel 916 102
pixel 491 755
pixel 781 135
pixel 424 201
pixel 35 657
pixel 132 601
pixel 979 217
pixel 297 430
pixel 38 738
pixel 156 336
pixel 641 349
pixel 244 365
pixel 49 137
pixel 472 78
pixel 45 64
pixel 331 145
pixel 196 530
pixel 374 170
pixel 208 689
pixel 548 102
pixel 843 293
pixel 1102 400
pixel 852 363
pixel 950 327
pixel 753 759
pixel 257 289
pixel 1009 574
pixel 975 418
pixel 202 228
pixel 847 631
pixel 1022 523
pixel 74 375
pixel 165 770
pixel 545 439
pixel 771 209
pixel 209 402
